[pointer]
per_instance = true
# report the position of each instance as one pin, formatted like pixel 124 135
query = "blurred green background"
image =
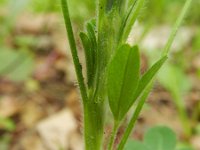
pixel 35 63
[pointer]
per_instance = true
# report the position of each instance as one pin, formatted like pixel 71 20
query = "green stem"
pixel 113 135
pixel 176 27
pixel 93 125
pixel 72 43
pixel 183 115
pixel 93 112
pixel 134 117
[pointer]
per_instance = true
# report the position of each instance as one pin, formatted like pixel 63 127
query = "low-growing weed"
pixel 113 68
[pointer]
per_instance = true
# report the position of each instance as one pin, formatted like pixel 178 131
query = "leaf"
pixel 135 115
pixel 109 5
pixel 160 138
pixel 132 15
pixel 149 75
pixel 135 145
pixel 88 57
pixel 90 45
pixel 123 78
pixel 90 26
pixel 156 138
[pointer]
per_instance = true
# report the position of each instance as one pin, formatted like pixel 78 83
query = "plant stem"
pixel 113 135
pixel 93 125
pixel 93 113
pixel 183 115
pixel 176 27
pixel 72 43
pixel 134 117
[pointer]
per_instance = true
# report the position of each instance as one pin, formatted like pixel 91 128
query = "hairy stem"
pixel 93 125
pixel 93 112
pixel 72 43
pixel 113 135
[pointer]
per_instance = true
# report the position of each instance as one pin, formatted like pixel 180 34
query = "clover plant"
pixel 113 68
pixel 156 138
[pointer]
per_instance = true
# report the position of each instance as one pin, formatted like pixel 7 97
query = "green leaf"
pixel 88 57
pixel 135 115
pixel 156 138
pixel 119 5
pixel 90 26
pixel 109 5
pixel 90 45
pixel 149 75
pixel 135 145
pixel 123 78
pixel 131 17
pixel 160 138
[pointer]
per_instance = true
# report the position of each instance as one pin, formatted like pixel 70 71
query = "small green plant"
pixel 156 138
pixel 113 68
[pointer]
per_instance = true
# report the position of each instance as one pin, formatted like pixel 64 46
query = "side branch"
pixel 72 43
